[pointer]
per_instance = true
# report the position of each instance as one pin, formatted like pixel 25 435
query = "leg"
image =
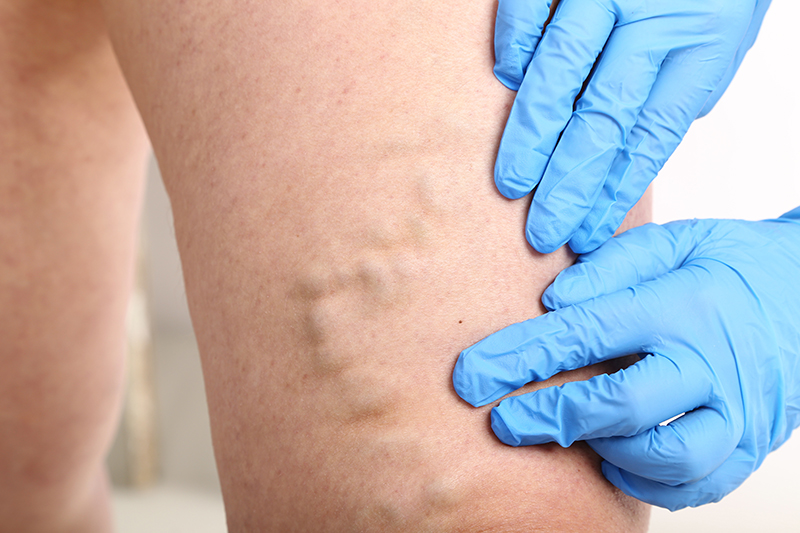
pixel 330 170
pixel 71 160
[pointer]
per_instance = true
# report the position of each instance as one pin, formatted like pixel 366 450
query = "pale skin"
pixel 329 166
pixel 72 152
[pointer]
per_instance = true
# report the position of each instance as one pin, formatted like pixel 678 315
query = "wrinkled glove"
pixel 715 305
pixel 663 63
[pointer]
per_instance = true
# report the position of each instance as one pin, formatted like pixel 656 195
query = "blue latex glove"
pixel 663 63
pixel 716 306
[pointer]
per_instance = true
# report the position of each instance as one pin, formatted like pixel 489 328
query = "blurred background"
pixel 741 161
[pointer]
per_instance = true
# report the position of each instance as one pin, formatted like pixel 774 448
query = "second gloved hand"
pixel 716 306
pixel 663 63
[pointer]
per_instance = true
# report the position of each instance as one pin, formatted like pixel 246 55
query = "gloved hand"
pixel 716 306
pixel 663 63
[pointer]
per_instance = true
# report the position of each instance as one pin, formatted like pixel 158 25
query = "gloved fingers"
pixel 750 37
pixel 639 255
pixel 684 451
pixel 518 29
pixel 611 208
pixel 653 492
pixel 622 189
pixel 625 403
pixel 605 328
pixel 733 472
pixel 563 59
pixel 672 106
pixel 620 323
pixel 594 136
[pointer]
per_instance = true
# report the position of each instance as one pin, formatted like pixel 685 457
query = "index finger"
pixel 569 338
pixel 518 29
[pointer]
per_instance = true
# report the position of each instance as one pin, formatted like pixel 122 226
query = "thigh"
pixel 330 170
pixel 72 153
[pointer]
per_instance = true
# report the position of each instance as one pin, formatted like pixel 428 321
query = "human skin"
pixel 329 167
pixel 72 153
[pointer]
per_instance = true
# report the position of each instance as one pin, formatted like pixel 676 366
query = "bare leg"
pixel 330 166
pixel 71 161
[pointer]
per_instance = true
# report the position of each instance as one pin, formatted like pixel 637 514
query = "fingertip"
pixel 708 107
pixel 508 76
pixel 478 379
pixel 550 299
pixel 518 168
pixel 515 38
pixel 460 384
pixel 582 245
pixel 509 183
pixel 600 226
pixel 551 221
pixel 465 381
pixel 542 241
pixel 502 430
pixel 511 190
pixel 571 286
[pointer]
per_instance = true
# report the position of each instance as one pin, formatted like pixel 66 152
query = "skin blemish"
pixel 373 276
pixel 376 281
pixel 316 325
pixel 442 493
pixel 321 325
pixel 412 499
pixel 361 398
pixel 328 362
pixel 313 285
pixel 383 282
pixel 342 306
